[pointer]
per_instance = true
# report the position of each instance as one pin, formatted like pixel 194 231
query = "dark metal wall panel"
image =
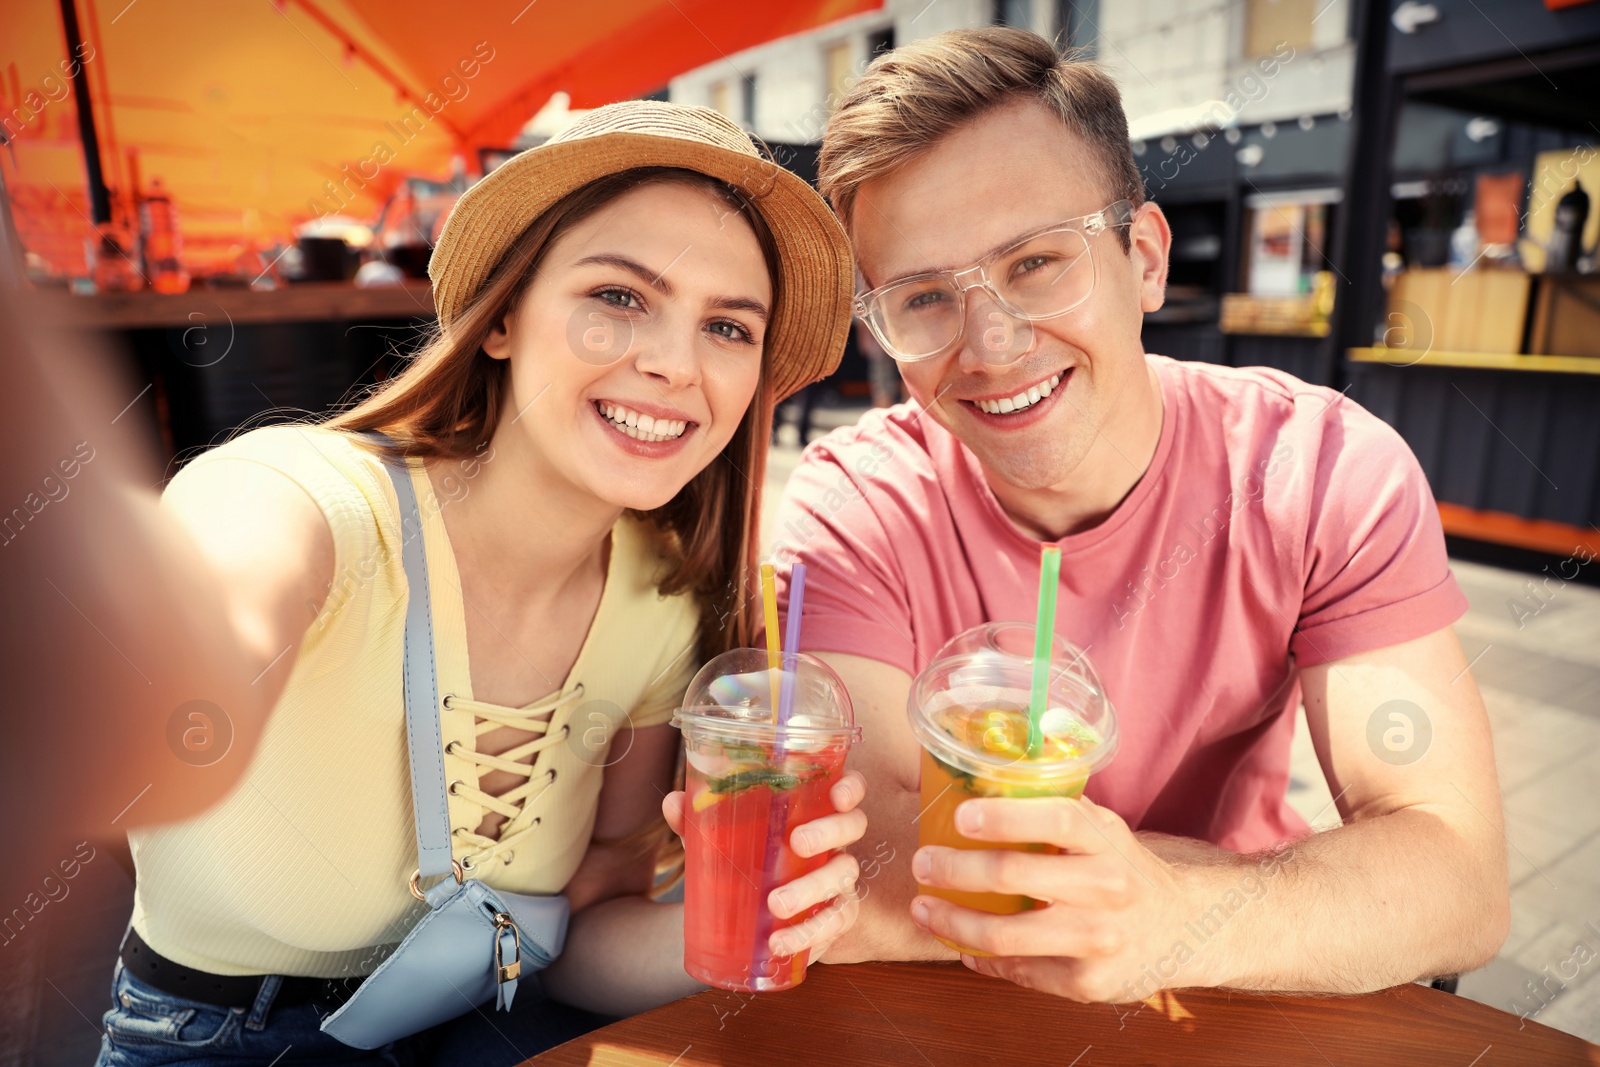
pixel 1511 441
pixel 1572 463
pixel 1300 356
pixel 1469 30
pixel 1517 445
pixel 238 372
pixel 1380 394
pixel 1294 156
pixel 1425 427
pixel 1194 341
pixel 1200 164
pixel 1467 433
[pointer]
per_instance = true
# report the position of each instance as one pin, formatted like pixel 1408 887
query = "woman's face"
pixel 637 348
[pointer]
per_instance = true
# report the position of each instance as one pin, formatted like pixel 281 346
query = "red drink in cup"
pixel 750 783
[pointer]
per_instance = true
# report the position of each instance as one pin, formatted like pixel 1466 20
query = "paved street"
pixel 1541 684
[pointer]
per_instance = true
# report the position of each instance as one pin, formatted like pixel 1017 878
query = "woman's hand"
pixel 834 883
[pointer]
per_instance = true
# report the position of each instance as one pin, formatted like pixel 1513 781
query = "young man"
pixel 1234 541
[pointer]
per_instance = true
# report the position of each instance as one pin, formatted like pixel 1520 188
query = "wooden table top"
pixel 916 1014
pixel 308 302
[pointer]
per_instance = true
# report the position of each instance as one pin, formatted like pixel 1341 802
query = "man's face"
pixel 1012 171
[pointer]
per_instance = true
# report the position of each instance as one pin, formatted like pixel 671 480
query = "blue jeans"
pixel 147 1027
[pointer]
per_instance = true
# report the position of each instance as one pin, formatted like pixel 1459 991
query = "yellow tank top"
pixel 303 868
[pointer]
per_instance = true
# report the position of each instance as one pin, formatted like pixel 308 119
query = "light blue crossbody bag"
pixel 476 941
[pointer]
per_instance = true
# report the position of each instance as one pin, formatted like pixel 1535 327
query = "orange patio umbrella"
pixel 256 115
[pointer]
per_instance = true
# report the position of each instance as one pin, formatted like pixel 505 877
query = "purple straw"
pixel 778 813
pixel 791 646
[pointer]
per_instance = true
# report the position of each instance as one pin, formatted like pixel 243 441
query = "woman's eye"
pixel 619 298
pixel 731 331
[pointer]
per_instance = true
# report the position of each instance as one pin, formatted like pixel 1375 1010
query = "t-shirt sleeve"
pixel 1376 571
pixel 332 470
pixel 830 520
pixel 674 668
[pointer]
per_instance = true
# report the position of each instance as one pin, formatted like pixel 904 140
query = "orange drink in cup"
pixel 970 708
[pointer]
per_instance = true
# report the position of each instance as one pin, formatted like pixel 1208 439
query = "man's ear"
pixel 498 344
pixel 1149 242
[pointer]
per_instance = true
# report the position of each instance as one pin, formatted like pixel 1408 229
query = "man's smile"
pixel 1023 407
pixel 1019 401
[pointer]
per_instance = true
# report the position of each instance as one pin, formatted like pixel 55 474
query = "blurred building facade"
pixel 1388 197
pixel 1271 81
pixel 1173 61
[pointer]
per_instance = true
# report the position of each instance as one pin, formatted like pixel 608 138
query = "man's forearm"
pixel 1375 903
pixel 884 930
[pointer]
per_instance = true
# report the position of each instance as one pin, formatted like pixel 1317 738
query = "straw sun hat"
pixel 806 337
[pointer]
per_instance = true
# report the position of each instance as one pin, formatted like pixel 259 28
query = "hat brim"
pixel 806 337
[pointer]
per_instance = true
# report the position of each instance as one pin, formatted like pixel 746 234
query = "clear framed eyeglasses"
pixel 1040 276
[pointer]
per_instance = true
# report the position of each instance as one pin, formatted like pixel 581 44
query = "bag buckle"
pixel 508 972
pixel 416 876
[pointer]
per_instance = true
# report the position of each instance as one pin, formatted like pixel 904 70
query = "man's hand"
pixel 1413 885
pixel 1112 905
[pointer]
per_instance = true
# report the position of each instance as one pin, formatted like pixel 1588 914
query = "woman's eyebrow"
pixel 741 303
pixel 651 278
pixel 664 287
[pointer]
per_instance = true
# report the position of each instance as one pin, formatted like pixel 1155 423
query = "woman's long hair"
pixel 447 403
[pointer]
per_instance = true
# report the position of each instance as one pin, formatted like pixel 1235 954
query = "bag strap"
pixel 424 733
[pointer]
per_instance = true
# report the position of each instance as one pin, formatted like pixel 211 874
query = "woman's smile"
pixel 644 430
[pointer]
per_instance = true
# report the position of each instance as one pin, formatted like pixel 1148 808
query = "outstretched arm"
pixel 1413 885
pixel 121 609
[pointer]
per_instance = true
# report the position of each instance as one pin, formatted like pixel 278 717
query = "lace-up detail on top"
pixel 513 802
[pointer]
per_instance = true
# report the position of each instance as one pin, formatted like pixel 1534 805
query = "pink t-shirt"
pixel 1278 524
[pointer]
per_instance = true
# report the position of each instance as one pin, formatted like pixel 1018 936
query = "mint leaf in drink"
pixel 959 777
pixel 752 777
pixel 779 780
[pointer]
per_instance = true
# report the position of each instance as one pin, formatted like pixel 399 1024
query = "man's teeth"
pixel 639 425
pixel 1021 401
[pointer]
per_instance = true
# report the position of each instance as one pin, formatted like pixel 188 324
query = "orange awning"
pixel 258 115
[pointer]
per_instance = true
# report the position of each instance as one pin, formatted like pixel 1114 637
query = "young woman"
pixel 619 311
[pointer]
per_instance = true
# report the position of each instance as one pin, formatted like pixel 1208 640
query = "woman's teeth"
pixel 640 426
pixel 1021 401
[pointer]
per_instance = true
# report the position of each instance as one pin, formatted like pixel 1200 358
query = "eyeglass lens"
pixel 1045 276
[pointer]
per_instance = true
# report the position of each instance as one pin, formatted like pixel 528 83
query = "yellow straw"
pixel 769 603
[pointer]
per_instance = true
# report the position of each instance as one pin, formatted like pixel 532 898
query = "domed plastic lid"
pixel 733 696
pixel 969 707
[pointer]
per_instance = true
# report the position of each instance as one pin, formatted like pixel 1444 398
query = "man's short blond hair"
pixel 910 97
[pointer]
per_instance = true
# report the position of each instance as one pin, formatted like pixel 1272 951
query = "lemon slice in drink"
pixel 704 799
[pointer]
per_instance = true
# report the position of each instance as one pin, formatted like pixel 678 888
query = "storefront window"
pixel 1286 238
